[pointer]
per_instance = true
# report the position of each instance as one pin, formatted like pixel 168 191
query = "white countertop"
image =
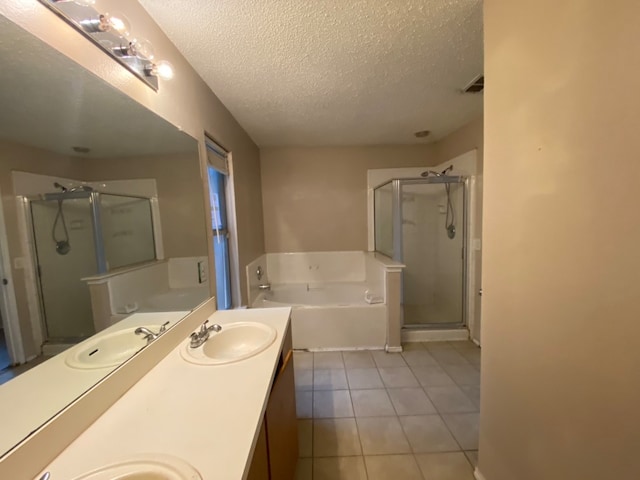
pixel 208 416
pixel 33 397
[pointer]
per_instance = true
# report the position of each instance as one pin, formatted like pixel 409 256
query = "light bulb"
pixel 142 48
pixel 162 69
pixel 117 22
pixel 107 22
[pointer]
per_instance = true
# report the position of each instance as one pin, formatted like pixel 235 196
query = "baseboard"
pixel 478 475
pixel 393 349
pixel 429 335
pixel 338 349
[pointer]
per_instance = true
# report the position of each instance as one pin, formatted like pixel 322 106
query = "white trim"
pixel 234 256
pixel 478 475
pixel 433 335
pixel 393 349
pixel 8 303
pixel 29 265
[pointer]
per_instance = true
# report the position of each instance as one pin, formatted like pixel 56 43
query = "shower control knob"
pixel 5 281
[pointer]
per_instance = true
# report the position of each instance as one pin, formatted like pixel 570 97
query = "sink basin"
pixel 145 467
pixel 235 342
pixel 106 350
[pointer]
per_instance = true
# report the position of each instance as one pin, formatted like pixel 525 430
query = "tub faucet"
pixel 201 336
pixel 150 336
pixel 264 286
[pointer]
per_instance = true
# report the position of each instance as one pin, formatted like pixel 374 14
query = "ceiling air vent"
pixel 475 86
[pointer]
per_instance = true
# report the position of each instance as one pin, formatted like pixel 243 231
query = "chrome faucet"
pixel 201 336
pixel 150 336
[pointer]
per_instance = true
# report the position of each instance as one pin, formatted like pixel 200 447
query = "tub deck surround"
pixel 328 292
pixel 209 416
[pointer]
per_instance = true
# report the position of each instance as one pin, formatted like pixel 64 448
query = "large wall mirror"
pixel 102 230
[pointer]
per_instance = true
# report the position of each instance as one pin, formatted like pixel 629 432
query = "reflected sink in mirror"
pixel 235 342
pixel 107 350
pixel 145 467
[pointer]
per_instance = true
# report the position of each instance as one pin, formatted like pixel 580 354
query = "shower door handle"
pixel 5 281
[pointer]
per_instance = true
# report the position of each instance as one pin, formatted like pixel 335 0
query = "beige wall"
pixel 315 199
pixel 186 101
pixel 463 140
pixel 560 390
pixel 181 201
pixel 33 160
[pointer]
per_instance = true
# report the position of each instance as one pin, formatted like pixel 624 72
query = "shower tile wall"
pixel 66 300
pixel 433 277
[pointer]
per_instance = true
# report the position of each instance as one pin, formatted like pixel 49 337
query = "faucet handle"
pixel 203 327
pixel 163 327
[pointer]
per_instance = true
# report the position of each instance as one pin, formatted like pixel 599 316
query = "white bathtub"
pixel 330 316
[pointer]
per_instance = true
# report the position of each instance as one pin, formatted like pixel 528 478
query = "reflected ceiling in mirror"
pixel 59 123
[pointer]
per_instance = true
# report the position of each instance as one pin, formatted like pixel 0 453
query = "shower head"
pixel 61 187
pixel 446 170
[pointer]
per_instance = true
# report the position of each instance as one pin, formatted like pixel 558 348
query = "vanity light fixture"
pixel 111 32
pixel 162 69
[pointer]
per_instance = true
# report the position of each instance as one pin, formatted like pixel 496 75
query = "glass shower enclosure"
pixel 421 222
pixel 79 234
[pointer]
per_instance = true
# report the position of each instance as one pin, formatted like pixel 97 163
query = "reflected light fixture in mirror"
pixel 111 32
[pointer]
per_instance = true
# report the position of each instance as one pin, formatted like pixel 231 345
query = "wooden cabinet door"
pixel 282 424
pixel 259 469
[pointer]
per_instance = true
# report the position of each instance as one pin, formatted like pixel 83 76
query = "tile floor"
pixel 379 416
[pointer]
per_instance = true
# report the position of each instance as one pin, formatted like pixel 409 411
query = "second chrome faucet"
pixel 201 336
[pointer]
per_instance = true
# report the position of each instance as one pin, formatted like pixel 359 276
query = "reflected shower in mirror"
pixel 102 230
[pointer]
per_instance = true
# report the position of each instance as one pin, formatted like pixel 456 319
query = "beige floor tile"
pixel 448 356
pixel 335 437
pixel 472 456
pixel 398 377
pixel 445 466
pixel 432 376
pixel 332 404
pixel 335 379
pixel 339 468
pixel 305 438
pixel 462 345
pixel 450 399
pixel 411 401
pixel 473 393
pixel 417 358
pixel 327 360
pixel 303 379
pixel 303 360
pixel 428 433
pixel 473 356
pixel 304 404
pixel 464 427
pixel 384 359
pixel 392 467
pixel 463 374
pixel 360 378
pixel 371 403
pixel 358 360
pixel 436 345
pixel 410 346
pixel 382 435
pixel 304 469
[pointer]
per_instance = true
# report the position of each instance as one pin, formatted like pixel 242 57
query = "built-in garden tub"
pixel 338 299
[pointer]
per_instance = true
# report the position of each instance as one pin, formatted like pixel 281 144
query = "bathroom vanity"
pixel 227 421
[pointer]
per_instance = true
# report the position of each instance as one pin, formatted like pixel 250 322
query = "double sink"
pixel 234 342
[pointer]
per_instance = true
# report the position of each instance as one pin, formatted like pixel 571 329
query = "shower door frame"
pixel 397 215
pixel 27 233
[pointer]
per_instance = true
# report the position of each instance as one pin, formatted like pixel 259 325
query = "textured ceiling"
pixel 50 102
pixel 333 72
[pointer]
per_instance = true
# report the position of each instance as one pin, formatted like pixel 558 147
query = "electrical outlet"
pixel 202 271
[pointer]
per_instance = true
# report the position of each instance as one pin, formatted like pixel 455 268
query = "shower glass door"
pixel 432 248
pixel 65 253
